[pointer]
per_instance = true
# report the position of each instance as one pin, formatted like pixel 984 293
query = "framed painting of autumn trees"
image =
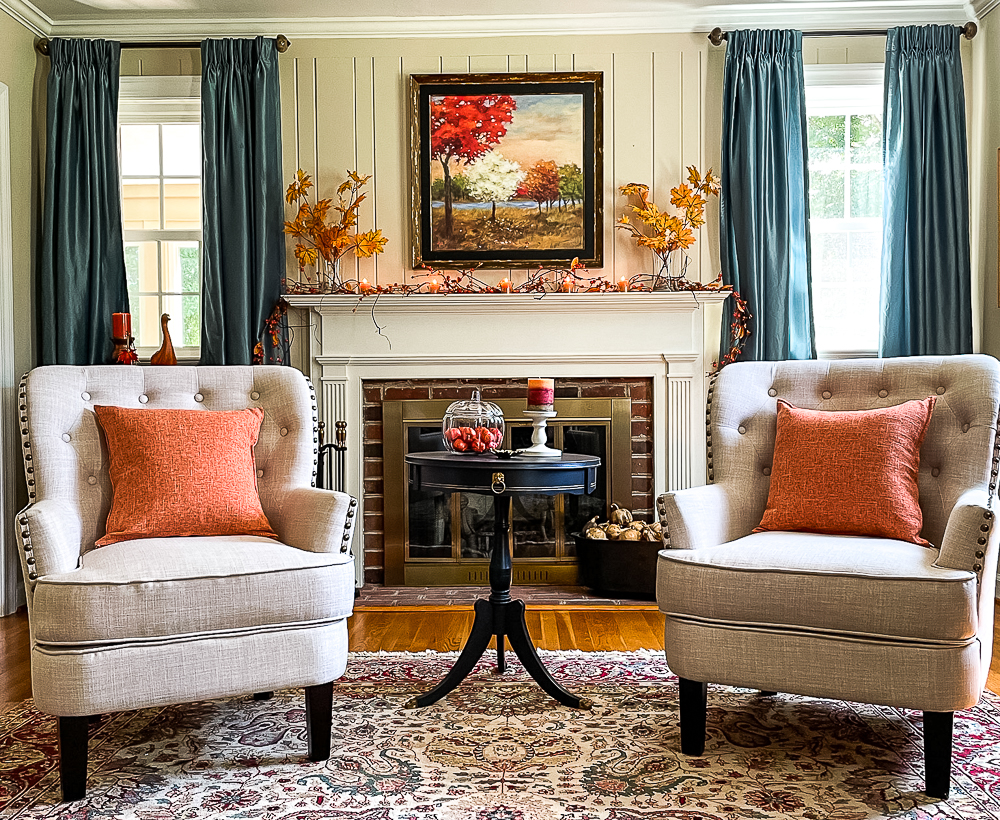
pixel 507 169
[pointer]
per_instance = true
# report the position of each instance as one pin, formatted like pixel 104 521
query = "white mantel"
pixel 643 335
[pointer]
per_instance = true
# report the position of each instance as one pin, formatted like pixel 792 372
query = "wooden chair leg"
pixel 319 719
pixel 938 727
pixel 73 756
pixel 694 703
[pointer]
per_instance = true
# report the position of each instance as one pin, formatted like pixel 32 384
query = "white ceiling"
pixel 179 19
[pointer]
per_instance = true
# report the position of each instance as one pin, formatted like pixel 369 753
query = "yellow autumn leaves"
pixel 667 232
pixel 330 241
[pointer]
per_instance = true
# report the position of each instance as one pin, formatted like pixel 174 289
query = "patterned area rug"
pixel 499 749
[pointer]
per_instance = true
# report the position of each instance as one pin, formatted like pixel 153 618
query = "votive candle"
pixel 434 286
pixel 121 325
pixel 505 286
pixel 541 393
pixel 364 286
pixel 623 285
pixel 567 285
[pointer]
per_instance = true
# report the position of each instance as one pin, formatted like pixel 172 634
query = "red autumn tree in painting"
pixel 542 182
pixel 465 128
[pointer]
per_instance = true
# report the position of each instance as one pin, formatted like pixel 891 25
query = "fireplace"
pixel 445 539
pixel 346 344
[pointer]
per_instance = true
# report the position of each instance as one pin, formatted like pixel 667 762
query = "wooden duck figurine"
pixel 165 355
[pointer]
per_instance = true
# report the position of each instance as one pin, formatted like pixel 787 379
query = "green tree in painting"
pixel 463 129
pixel 459 188
pixel 493 178
pixel 571 183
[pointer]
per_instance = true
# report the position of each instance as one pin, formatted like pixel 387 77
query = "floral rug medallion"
pixel 498 748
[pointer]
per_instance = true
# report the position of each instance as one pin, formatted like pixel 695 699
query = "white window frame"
pixel 846 89
pixel 162 101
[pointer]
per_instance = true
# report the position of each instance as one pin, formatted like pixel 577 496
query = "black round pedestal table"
pixel 500 615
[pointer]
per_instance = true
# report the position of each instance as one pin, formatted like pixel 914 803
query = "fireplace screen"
pixel 446 538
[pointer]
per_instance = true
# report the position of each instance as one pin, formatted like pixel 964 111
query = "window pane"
pixel 146 325
pixel 826 139
pixel 182 149
pixel 181 267
pixel 866 194
pixel 182 204
pixel 866 138
pixel 140 150
pixel 141 267
pixel 140 204
pixel 826 195
pixel 185 320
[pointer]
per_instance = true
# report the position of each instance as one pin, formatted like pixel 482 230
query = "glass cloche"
pixel 472 425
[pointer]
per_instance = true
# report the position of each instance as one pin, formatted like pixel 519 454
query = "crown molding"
pixel 984 7
pixel 678 17
pixel 28 16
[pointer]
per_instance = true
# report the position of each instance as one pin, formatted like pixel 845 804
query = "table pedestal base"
pixel 504 618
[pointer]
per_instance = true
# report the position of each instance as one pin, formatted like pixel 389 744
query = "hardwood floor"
pixel 415 629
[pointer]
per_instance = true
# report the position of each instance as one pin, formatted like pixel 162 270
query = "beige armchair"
pixel 865 619
pixel 157 621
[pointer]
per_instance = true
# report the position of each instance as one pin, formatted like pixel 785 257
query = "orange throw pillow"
pixel 182 472
pixel 849 472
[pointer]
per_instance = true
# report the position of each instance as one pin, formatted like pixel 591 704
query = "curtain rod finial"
pixel 969 30
pixel 282 43
pixel 717 36
pixel 42 46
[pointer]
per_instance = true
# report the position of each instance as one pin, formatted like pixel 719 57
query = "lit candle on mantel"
pixel 567 285
pixel 623 285
pixel 505 286
pixel 434 286
pixel 365 287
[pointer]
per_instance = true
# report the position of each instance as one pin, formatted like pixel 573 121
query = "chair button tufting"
pixel 767 471
pixel 199 397
pixel 940 391
pixel 260 474
pixel 772 392
pixel 255 395
pixel 143 398
pixel 965 428
pixel 742 430
pixel 85 396
pixel 882 394
pixel 92 479
pixel 827 394
pixel 935 472
pixel 65 436
pixel 283 431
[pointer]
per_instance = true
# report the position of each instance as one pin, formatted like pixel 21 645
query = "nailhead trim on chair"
pixel 315 428
pixel 22 404
pixel 29 555
pixel 988 515
pixel 345 545
pixel 708 426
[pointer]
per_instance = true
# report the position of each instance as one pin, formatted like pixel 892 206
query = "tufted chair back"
pixel 743 412
pixel 61 432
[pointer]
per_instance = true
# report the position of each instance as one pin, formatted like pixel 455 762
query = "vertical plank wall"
pixel 346 106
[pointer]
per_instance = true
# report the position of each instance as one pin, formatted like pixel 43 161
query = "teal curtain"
pixel 764 202
pixel 81 276
pixel 243 209
pixel 926 299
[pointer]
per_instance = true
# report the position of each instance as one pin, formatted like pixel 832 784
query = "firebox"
pixel 440 538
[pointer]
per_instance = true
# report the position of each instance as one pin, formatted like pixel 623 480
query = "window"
pixel 160 161
pixel 844 124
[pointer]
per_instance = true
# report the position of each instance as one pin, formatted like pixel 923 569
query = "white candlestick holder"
pixel 539 448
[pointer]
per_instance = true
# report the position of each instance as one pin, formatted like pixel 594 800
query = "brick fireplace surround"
pixel 349 346
pixel 639 391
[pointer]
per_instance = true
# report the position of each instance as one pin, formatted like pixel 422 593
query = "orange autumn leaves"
pixel 667 232
pixel 330 241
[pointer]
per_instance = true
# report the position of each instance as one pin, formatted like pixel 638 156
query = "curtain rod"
pixel 282 43
pixel 968 31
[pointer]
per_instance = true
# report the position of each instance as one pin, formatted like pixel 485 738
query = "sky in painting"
pixel 545 126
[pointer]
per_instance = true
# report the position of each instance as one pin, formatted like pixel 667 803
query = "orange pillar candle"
pixel 623 285
pixel 121 325
pixel 505 286
pixel 540 394
pixel 434 286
